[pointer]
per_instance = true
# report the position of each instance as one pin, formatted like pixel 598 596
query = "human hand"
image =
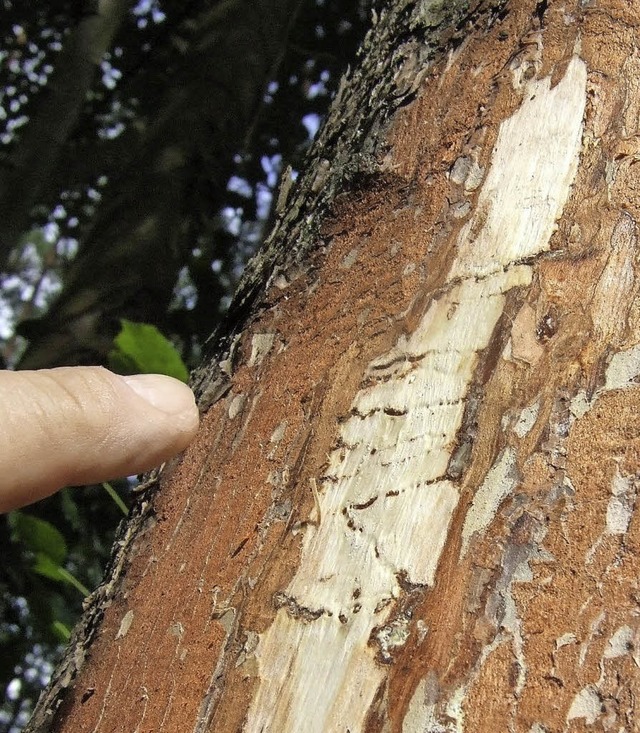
pixel 82 425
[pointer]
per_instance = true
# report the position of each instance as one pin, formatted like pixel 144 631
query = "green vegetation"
pixel 141 349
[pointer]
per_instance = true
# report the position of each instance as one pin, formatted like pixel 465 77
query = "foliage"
pixel 48 551
pixel 141 349
pixel 76 245
pixel 39 602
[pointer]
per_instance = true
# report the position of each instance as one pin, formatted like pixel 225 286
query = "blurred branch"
pixel 27 172
pixel 128 264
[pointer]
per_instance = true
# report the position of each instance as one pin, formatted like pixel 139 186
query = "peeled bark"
pixel 411 506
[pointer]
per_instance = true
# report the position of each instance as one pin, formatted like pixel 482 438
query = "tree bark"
pixel 411 505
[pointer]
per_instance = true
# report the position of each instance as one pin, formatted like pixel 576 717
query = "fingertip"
pixel 168 395
pixel 82 425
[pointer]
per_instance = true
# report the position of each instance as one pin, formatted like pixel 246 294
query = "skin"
pixel 82 425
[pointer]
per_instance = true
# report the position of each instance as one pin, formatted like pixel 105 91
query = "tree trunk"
pixel 410 507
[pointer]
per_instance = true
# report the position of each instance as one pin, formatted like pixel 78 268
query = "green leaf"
pixel 61 631
pixel 46 567
pixel 39 536
pixel 67 577
pixel 141 348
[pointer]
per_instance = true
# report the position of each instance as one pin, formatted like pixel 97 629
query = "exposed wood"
pixel 386 502
pixel 411 507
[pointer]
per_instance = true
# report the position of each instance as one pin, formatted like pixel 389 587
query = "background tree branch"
pixel 26 175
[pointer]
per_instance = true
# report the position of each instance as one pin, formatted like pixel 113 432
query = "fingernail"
pixel 164 393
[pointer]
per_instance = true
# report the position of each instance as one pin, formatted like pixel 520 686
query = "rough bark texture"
pixel 411 506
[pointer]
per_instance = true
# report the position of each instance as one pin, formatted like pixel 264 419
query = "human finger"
pixel 80 425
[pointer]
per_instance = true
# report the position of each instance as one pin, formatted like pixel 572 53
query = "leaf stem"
pixel 117 500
